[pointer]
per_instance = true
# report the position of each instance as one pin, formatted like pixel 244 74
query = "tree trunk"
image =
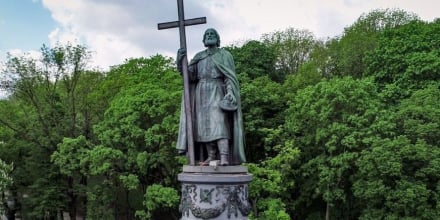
pixel 72 197
pixel 327 212
pixel 254 207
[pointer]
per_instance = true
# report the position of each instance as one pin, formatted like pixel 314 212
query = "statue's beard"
pixel 210 42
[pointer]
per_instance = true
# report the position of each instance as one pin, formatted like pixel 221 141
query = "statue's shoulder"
pixel 199 56
pixel 225 53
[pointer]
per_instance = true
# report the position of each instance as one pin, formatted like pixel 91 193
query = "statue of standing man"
pixel 215 103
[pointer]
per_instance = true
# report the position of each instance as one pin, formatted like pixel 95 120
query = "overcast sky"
pixel 119 29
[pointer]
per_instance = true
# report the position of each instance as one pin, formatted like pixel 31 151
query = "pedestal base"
pixel 214 192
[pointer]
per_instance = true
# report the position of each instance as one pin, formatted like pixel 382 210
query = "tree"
pixel 138 137
pixel 406 59
pixel 46 94
pixel 328 122
pixel 159 201
pixel 263 112
pixel 5 183
pixel 272 181
pixel 399 174
pixel 399 180
pixel 308 75
pixel 69 158
pixel 348 53
pixel 292 49
pixel 255 59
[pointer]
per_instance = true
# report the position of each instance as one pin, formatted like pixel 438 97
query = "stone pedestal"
pixel 214 192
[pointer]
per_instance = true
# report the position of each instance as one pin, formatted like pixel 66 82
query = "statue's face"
pixel 211 38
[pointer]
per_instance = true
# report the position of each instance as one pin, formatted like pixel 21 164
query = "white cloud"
pixel 63 36
pixel 111 50
pixel 116 30
pixel 90 23
pixel 32 54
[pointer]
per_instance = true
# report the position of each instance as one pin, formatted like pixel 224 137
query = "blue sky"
pixel 24 24
pixel 115 30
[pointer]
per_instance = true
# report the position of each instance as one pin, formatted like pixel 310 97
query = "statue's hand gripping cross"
pixel 181 23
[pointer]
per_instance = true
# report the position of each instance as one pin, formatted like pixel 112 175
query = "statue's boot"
pixel 211 148
pixel 224 152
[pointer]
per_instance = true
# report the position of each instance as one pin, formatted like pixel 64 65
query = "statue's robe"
pixel 207 89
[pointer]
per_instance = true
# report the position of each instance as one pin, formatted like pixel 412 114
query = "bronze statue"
pixel 215 103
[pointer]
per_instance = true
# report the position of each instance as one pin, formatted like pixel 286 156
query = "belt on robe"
pixel 211 79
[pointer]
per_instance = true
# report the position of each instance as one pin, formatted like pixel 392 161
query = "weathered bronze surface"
pixel 218 127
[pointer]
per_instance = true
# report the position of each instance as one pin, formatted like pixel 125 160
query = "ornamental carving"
pixel 211 202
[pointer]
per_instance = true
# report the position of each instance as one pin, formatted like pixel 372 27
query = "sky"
pixel 115 30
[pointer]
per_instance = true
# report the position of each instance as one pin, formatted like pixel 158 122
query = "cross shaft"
pixel 181 23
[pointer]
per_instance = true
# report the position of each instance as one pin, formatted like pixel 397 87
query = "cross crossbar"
pixel 188 22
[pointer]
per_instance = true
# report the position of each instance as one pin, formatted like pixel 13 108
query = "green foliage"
pixel 268 191
pixel 308 75
pixel 328 123
pixel 99 198
pixel 399 174
pixel 395 180
pixel 266 182
pixel 159 200
pixel 142 119
pixel 406 59
pixel 129 181
pixel 69 155
pixel 419 116
pixel 45 199
pixel 5 182
pixel 381 19
pixel 45 108
pixel 348 54
pixel 292 48
pixel 103 160
pixel 262 109
pixel 5 176
pixel 254 59
pixel 265 187
pixel 273 209
pixel 138 131
pixel 319 146
pixel 338 105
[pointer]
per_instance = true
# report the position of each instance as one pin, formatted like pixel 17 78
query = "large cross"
pixel 181 23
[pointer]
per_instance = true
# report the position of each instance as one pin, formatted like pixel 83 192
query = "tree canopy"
pixel 341 128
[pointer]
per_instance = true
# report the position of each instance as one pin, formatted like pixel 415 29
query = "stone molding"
pixel 215 193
